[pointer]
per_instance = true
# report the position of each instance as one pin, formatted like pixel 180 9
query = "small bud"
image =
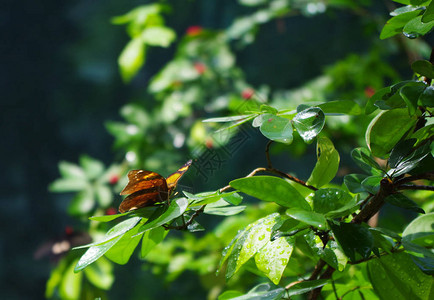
pixel 247 93
pixel 194 30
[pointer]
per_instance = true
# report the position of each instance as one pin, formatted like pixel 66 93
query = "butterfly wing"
pixel 140 180
pixel 172 180
pixel 145 188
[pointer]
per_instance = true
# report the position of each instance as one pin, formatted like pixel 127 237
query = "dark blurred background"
pixel 60 83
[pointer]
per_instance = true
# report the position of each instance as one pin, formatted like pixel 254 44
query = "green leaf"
pixel 363 158
pixel 420 231
pixel 82 203
pixel 347 107
pixel 230 295
pixel 262 291
pixel 412 161
pixel 395 277
pixel 151 238
pixel 309 217
pixel 247 243
pixel 124 248
pixel 309 123
pixel 423 134
pixel 424 68
pixel 63 185
pixel 115 231
pixel 92 168
pixel 428 16
pixel 104 195
pixel 327 164
pixel 416 28
pixel 95 252
pixel 427 97
pixel 386 129
pixel 274 256
pixel 354 182
pixel 224 211
pixel 330 199
pixel 400 152
pixel 304 287
pixel 400 200
pixel 422 257
pixel 372 184
pixel 100 274
pixel 396 24
pixel 176 208
pixel 354 239
pixel 158 36
pixel 411 93
pixel 271 189
pixel 144 212
pixel 69 170
pixel 132 58
pixel 228 119
pixel 70 286
pixel 277 129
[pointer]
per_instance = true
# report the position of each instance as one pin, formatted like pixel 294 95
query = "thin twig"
pixel 267 154
pixel 416 187
pixel 189 222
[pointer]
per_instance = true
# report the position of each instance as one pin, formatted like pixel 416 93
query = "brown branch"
pixel 373 206
pixel 313 295
pixel 416 187
pixel 427 176
pixel 189 222
pixel 267 154
pixel 290 177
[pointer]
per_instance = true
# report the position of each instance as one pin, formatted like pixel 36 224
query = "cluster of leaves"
pixel 307 225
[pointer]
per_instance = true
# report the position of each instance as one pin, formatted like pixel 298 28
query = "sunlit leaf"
pixel 100 274
pixel 309 123
pixel 327 164
pixel 132 58
pixel 271 189
pixel 277 129
pixel 396 24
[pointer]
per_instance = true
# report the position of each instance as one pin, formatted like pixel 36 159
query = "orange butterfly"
pixel 146 188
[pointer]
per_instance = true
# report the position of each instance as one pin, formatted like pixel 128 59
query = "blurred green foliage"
pixel 261 249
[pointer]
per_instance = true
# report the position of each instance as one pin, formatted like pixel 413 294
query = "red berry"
pixel 200 67
pixel 114 179
pixel 111 211
pixel 69 230
pixel 247 93
pixel 209 143
pixel 369 91
pixel 194 30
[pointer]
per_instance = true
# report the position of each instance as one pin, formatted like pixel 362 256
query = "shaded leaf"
pixel 309 217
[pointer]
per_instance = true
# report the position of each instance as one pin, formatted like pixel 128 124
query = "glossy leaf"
pixel 347 107
pixel 354 182
pixel 400 151
pixel 115 231
pixel 416 28
pixel 274 256
pixel 372 184
pixel 95 252
pixel 421 256
pixel 262 291
pixel 277 129
pixel 124 248
pixel 309 123
pixel 227 119
pixel 386 129
pixel 327 165
pixel 396 277
pixel 356 241
pixel 305 286
pixel 224 211
pixel 309 217
pixel 247 243
pixel 330 199
pixel 271 189
pixel 176 208
pixel 396 24
pixel 412 161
